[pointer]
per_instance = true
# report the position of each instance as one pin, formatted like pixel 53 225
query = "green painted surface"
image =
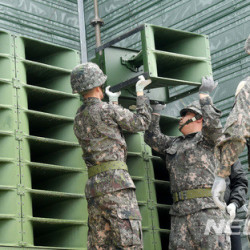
pixel 54 21
pixel 170 57
pixel 42 171
pixel 225 22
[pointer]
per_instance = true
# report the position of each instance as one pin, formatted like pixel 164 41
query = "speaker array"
pixel 42 172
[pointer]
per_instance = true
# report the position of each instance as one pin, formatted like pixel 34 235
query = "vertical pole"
pixel 84 56
pixel 97 22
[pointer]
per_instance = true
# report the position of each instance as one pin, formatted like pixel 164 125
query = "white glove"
pixel 208 85
pixel 218 190
pixel 231 209
pixel 113 97
pixel 142 83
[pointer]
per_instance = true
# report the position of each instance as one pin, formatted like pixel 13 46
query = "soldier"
pixel 236 136
pixel 191 165
pixel 235 197
pixel 114 216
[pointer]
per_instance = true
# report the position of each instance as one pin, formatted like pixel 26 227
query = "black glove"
pixel 208 85
pixel 157 108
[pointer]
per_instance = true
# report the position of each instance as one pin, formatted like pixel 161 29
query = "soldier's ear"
pixel 97 89
pixel 200 120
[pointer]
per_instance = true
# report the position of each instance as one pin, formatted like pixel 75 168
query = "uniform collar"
pixel 91 101
pixel 189 135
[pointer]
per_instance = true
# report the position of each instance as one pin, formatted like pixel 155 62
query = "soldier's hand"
pixel 231 209
pixel 218 190
pixel 208 85
pixel 157 108
pixel 142 83
pixel 113 97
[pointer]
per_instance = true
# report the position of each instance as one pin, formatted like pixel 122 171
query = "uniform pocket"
pixel 130 226
pixel 130 214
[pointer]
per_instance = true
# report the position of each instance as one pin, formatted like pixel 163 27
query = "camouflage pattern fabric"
pixel 237 135
pixel 190 159
pixel 194 107
pixel 86 76
pixel 115 221
pixel 114 217
pixel 188 232
pixel 247 45
pixel 236 131
pixel 98 128
pixel 248 148
pixel 248 224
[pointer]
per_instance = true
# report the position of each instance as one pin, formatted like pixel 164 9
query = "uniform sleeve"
pixel 248 148
pixel 133 122
pixel 236 132
pixel 154 138
pixel 211 128
pixel 238 184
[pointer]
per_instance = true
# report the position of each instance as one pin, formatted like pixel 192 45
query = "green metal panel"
pixel 170 57
pixel 179 57
pixel 49 146
pixel 54 21
pixel 45 193
pixel 7 44
pixel 10 209
pixel 45 53
pixel 225 21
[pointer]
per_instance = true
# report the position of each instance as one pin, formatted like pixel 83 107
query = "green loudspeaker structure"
pixel 168 57
pixel 10 208
pixel 42 174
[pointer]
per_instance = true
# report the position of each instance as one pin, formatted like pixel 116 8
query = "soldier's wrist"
pixel 205 100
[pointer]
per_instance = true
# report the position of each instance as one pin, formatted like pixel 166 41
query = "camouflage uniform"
pixel 191 165
pixel 236 131
pixel 237 135
pixel 114 216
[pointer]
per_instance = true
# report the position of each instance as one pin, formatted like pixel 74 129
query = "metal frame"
pixel 183 65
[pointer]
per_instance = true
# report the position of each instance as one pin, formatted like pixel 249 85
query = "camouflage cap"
pixel 194 107
pixel 86 76
pixel 247 45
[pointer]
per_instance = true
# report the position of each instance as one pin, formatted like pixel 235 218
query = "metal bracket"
pixel 20 190
pixel 127 83
pixel 18 135
pixel 151 204
pixel 126 60
pixel 22 244
pixel 16 83
pixel 146 156
pixel 119 38
pixel 96 21
pixel 132 61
